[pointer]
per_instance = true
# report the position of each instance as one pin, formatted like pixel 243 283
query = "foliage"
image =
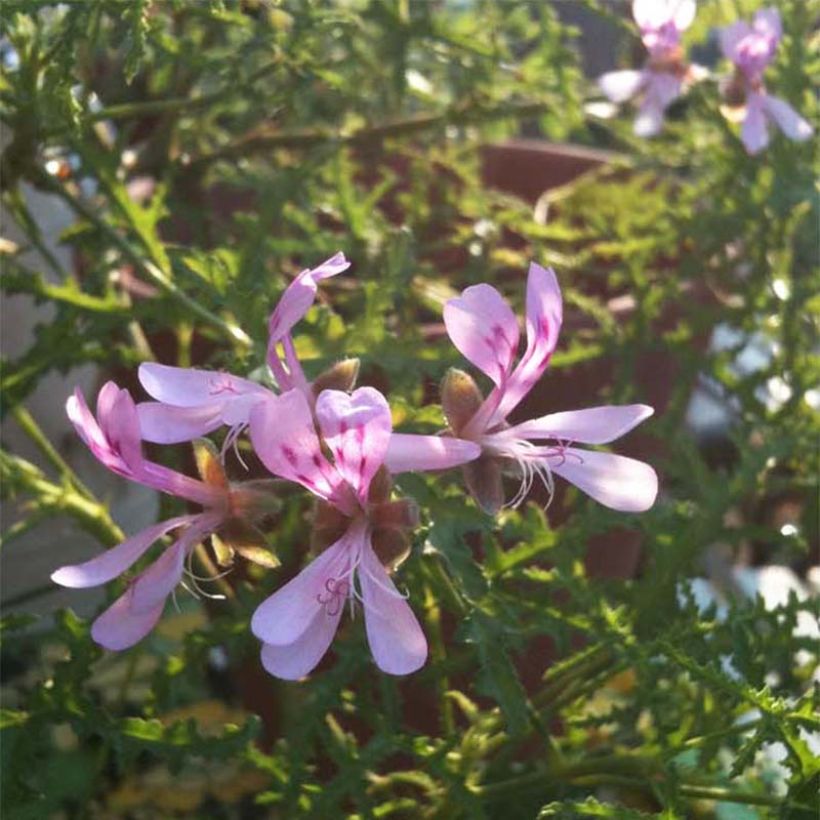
pixel 273 134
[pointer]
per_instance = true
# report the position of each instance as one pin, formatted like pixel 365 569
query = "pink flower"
pixel 484 329
pixel 297 623
pixel 114 438
pixel 751 47
pixel 191 403
pixel 662 79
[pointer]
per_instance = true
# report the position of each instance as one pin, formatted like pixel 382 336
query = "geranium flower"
pixel 752 47
pixel 191 402
pixel 297 623
pixel 662 79
pixel 114 438
pixel 484 328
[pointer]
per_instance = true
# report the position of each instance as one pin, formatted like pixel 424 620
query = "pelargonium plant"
pixel 338 443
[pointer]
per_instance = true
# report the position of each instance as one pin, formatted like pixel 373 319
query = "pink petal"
pixel 484 329
pixel 357 429
pixel 754 132
pixel 652 14
pixel 189 387
pixel 595 425
pixel 85 424
pixel 393 632
pixel 789 121
pixel 731 37
pixel 166 424
pixel 299 296
pixel 407 452
pixel 683 13
pixel 159 579
pixel 286 615
pixel 297 659
pixel 767 22
pixel 617 482
pixel 544 317
pixel 649 122
pixel 120 628
pixel 283 435
pixel 156 582
pixel 115 561
pixel 620 86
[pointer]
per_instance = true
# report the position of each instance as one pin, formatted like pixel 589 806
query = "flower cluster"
pixel 338 443
pixel 751 47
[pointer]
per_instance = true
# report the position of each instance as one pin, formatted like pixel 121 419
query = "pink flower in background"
pixel 484 328
pixel 297 623
pixel 191 403
pixel 751 47
pixel 662 79
pixel 114 438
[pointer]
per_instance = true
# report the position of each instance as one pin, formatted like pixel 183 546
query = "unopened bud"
pixel 460 399
pixel 329 525
pixel 484 481
pixel 380 486
pixel 208 463
pixel 342 376
pixel 401 514
pixel 391 547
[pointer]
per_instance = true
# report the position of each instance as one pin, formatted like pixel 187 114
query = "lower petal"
pixel 617 482
pixel 120 628
pixel 620 86
pixel 117 560
pixel 393 632
pixel 298 659
pixel 754 132
pixel 789 121
pixel 283 619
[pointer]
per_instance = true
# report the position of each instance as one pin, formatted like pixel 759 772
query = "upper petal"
pixel 407 452
pixel 594 425
pixel 483 327
pixel 620 86
pixel 120 628
pixel 789 121
pixel 618 482
pixel 356 428
pixel 190 387
pixel 652 14
pixel 287 614
pixel 731 37
pixel 768 23
pixel 166 424
pixel 299 296
pixel 284 438
pixel 297 659
pixel 393 632
pixel 544 317
pixel 115 561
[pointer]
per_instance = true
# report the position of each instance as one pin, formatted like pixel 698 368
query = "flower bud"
pixel 460 399
pixel 401 514
pixel 484 481
pixel 342 376
pixel 391 547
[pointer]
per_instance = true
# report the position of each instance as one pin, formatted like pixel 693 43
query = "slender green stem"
pixel 30 427
pixel 145 266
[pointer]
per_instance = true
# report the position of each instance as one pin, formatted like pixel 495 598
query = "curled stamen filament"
pixel 232 442
pixel 530 460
